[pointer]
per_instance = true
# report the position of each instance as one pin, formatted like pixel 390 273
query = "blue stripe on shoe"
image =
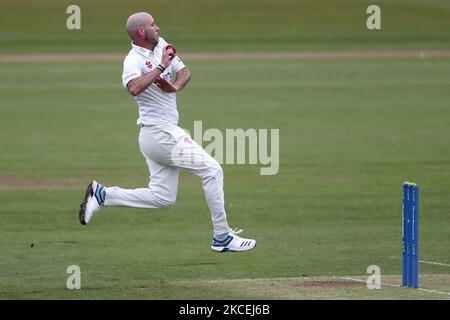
pixel 97 195
pixel 222 243
pixel 246 243
pixel 100 194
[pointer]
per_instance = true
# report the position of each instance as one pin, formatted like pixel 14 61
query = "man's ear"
pixel 140 31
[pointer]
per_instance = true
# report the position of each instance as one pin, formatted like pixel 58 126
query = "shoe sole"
pixel 223 250
pixel 83 204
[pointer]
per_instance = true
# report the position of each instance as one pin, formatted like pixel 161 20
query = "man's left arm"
pixel 183 77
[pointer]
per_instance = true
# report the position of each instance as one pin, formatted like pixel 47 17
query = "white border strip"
pixel 436 263
pixel 359 280
pixel 395 286
pixel 424 261
pixel 202 56
pixel 434 291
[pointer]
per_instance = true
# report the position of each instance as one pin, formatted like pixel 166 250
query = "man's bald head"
pixel 137 20
pixel 142 29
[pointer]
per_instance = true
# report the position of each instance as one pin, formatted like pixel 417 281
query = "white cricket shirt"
pixel 156 107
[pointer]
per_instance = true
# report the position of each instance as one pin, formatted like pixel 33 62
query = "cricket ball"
pixel 169 46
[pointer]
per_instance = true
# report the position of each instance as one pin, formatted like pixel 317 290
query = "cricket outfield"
pixel 351 131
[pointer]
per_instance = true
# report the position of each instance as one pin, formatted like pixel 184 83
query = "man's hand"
pixel 165 85
pixel 168 54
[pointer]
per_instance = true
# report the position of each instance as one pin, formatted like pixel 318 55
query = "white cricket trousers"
pixel 166 149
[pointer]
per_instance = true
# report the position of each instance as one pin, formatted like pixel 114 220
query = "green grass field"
pixel 348 139
pixel 219 25
pixel 351 131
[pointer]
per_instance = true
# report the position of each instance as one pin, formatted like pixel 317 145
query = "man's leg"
pixel 161 191
pixel 187 154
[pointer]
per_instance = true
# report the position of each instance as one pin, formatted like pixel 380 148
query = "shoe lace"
pixel 236 231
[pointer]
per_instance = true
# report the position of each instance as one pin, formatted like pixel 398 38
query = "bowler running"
pixel 153 73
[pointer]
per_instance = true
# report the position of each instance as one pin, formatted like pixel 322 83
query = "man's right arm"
pixel 139 84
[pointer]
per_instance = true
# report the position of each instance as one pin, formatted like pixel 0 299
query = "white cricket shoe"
pixel 94 199
pixel 233 243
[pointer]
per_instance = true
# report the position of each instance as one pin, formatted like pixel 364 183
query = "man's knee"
pixel 214 169
pixel 166 201
pixel 218 169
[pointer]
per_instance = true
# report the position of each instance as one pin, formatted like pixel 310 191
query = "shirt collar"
pixel 145 52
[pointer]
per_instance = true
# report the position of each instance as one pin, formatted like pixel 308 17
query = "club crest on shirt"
pixel 149 65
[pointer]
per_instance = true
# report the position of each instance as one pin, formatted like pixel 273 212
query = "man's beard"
pixel 152 41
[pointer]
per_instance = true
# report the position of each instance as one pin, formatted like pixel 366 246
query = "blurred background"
pixel 234 25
